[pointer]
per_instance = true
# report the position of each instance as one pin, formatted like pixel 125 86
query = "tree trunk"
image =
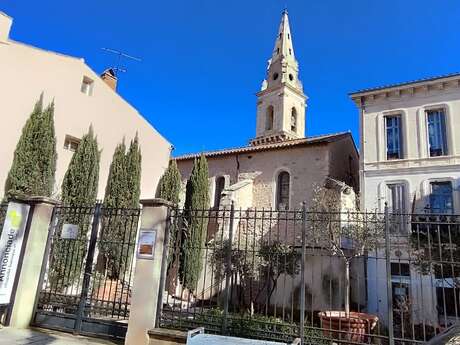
pixel 347 287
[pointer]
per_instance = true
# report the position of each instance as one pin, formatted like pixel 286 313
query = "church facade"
pixel 281 165
pixel 279 170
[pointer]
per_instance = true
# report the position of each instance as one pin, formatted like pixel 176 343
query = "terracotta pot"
pixel 354 327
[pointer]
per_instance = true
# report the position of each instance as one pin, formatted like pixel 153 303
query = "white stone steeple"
pixel 281 101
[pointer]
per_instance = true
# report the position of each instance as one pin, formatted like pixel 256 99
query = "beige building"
pixel 410 160
pixel 81 98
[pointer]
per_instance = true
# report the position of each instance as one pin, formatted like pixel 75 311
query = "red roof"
pixel 319 139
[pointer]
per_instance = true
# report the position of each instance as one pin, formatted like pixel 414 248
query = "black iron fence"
pixel 87 279
pixel 352 278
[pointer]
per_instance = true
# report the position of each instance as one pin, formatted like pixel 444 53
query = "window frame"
pixel 294 124
pixel 398 216
pixel 279 194
pixel 87 86
pixel 69 140
pixel 432 195
pixel 269 118
pixel 400 135
pixel 444 131
pixel 217 194
pixel 400 280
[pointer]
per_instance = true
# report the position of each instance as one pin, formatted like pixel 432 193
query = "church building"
pixel 281 165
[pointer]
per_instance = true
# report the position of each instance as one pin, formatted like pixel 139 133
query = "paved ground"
pixel 11 336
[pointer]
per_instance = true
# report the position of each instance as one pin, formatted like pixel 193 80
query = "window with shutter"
pixel 441 199
pixel 437 139
pixel 393 137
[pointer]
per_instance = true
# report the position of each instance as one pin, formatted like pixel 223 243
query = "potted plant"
pixel 347 234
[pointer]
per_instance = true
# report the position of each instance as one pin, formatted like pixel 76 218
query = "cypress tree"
pixel 133 168
pixel 121 196
pixel 196 204
pixel 34 163
pixel 115 189
pixel 79 188
pixel 168 189
pixel 80 184
pixel 170 183
pixel 113 230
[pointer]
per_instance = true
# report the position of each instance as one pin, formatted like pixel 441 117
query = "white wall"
pixel 416 170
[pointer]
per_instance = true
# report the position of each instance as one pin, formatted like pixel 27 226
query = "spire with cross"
pixel 281 101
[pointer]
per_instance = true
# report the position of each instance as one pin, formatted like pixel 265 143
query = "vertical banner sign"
pixel 10 247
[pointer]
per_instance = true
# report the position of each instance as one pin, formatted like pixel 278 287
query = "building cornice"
pixel 408 89
pixel 412 170
pixel 280 88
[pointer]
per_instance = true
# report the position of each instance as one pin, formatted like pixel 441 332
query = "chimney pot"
pixel 110 78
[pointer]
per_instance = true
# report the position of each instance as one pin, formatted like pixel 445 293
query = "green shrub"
pixel 256 327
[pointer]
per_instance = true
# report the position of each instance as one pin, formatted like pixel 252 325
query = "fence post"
pixel 149 272
pixel 35 225
pixel 88 268
pixel 302 275
pixel 228 270
pixel 388 269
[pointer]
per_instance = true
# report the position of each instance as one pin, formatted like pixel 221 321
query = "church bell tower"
pixel 281 102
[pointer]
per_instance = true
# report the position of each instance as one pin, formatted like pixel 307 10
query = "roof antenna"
pixel 118 68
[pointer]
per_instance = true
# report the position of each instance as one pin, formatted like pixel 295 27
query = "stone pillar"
pixel 149 273
pixel 36 238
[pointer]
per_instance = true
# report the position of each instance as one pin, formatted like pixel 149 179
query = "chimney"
pixel 109 77
pixel 5 26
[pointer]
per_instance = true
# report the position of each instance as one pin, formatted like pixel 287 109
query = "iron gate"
pixel 87 277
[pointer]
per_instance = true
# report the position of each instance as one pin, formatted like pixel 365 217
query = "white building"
pixel 409 159
pixel 81 98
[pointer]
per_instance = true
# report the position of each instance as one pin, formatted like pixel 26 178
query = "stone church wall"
pixel 307 166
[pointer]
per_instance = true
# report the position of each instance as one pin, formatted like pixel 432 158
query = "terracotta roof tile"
pixel 318 139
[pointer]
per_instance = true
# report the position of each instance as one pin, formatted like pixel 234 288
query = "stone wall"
pixel 307 165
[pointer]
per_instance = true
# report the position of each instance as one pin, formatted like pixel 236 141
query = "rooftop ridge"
pixel 406 83
pixel 248 148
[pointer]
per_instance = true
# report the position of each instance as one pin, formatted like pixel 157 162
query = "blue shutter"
pixel 394 139
pixel 437 133
pixel 441 199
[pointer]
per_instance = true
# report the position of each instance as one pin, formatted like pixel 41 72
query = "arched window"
pixel 282 191
pixel 293 120
pixel 269 118
pixel 220 185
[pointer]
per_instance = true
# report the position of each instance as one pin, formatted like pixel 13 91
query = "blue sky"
pixel 204 60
